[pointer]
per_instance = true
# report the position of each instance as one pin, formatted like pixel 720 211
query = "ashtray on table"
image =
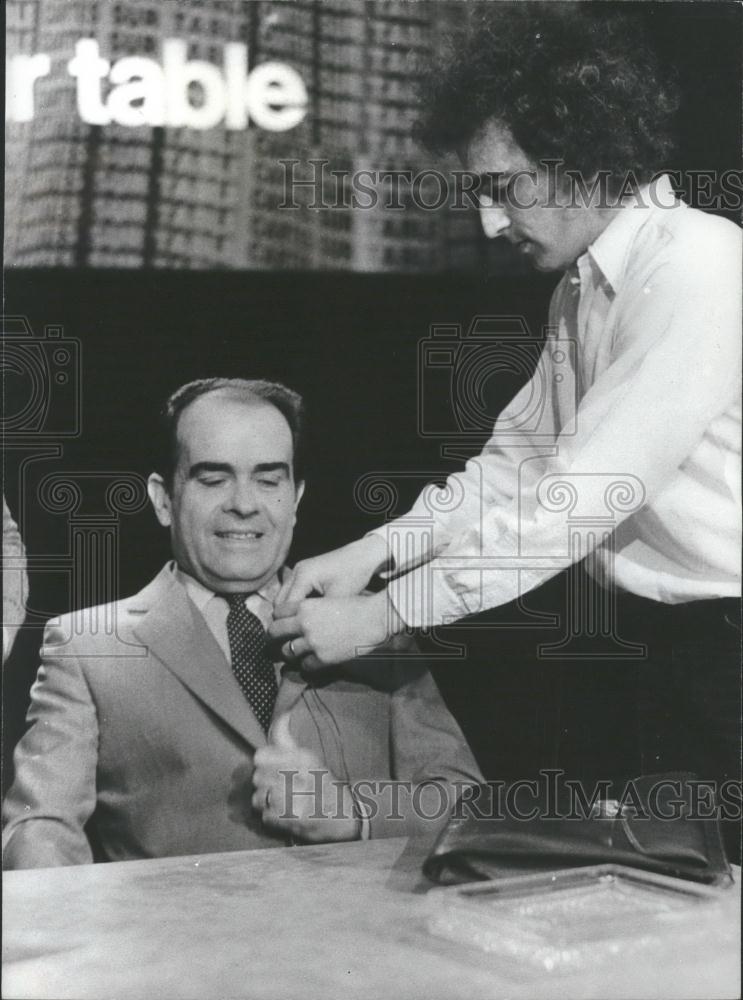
pixel 566 920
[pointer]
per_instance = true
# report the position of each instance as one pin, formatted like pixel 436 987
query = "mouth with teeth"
pixel 240 536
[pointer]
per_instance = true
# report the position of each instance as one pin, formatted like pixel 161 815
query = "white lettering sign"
pixel 182 92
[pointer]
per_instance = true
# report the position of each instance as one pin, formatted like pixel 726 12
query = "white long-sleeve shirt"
pixel 629 428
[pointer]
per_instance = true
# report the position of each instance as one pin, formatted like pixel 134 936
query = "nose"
pixel 493 217
pixel 243 499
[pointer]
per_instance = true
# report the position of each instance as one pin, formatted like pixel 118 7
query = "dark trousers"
pixel 548 684
pixel 689 694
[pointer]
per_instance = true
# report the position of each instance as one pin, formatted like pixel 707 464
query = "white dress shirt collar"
pixel 610 251
pixel 214 608
pixel 201 595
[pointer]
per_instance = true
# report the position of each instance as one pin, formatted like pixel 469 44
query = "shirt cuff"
pixel 424 597
pixel 408 545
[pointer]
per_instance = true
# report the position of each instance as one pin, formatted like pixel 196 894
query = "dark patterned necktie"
pixel 250 664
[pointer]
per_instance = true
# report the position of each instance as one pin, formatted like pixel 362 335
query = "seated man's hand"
pixel 324 630
pixel 340 573
pixel 296 793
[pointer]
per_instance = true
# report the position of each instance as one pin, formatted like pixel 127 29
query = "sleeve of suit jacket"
pixel 54 791
pixel 15 581
pixel 429 755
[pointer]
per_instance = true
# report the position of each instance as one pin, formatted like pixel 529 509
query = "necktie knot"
pixel 236 601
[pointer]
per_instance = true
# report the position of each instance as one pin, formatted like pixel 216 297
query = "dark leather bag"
pixel 650 831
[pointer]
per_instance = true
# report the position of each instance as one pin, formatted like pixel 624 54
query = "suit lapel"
pixel 178 636
pixel 290 691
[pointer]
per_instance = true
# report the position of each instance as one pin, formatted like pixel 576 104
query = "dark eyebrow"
pixel 272 467
pixel 201 467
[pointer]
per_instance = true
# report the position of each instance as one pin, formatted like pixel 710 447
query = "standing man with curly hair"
pixel 562 113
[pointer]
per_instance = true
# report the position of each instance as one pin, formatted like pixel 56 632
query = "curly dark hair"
pixel 572 81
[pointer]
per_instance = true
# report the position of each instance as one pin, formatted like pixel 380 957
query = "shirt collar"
pixel 610 249
pixel 201 595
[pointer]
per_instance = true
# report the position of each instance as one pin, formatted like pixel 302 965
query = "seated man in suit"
pixel 159 725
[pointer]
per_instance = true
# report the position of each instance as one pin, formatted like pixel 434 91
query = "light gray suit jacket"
pixel 140 735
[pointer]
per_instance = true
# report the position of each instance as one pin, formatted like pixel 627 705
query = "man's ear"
pixel 160 499
pixel 299 493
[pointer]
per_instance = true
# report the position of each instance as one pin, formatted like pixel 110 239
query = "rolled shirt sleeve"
pixel 670 368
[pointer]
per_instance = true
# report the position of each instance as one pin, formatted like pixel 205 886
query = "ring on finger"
pixel 291 648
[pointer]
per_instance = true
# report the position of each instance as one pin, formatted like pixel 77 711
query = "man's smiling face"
pixel 518 200
pixel 232 505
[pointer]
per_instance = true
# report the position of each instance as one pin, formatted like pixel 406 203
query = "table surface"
pixel 329 921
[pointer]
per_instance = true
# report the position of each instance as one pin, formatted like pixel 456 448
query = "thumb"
pixel 287 579
pixel 301 586
pixel 280 735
